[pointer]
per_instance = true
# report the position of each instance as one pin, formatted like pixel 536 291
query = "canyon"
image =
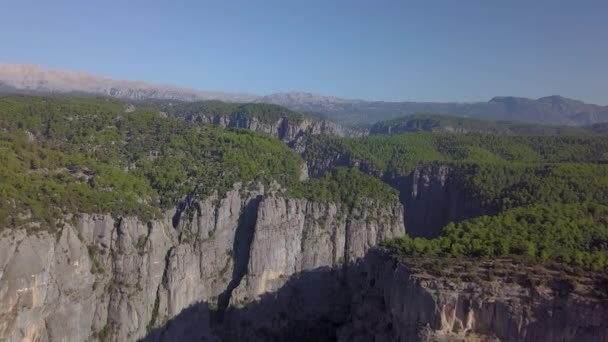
pixel 257 265
pixel 299 248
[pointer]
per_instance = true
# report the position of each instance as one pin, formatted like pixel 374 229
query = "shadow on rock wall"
pixel 311 306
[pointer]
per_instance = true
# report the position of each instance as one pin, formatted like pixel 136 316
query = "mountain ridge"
pixel 31 77
pixel 552 110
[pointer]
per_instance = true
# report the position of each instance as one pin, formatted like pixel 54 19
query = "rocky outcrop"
pixel 296 235
pixel 93 279
pixel 290 130
pixel 398 303
pixel 119 279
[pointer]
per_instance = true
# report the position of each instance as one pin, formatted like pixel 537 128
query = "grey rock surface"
pixel 432 195
pixel 397 304
pixel 119 279
pixel 288 130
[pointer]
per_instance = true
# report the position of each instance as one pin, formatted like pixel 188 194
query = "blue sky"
pixel 384 50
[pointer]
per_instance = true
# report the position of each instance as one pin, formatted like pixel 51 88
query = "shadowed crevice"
pixel 244 235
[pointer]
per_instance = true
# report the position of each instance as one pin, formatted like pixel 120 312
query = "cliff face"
pixel 399 304
pixel 261 267
pixel 292 236
pixel 285 129
pixel 296 270
pixel 118 279
pixel 92 275
pixel 432 195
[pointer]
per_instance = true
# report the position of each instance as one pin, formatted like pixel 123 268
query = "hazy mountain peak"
pixel 300 97
pixel 504 99
pixel 35 78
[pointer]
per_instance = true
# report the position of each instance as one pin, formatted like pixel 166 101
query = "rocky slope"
pixel 103 278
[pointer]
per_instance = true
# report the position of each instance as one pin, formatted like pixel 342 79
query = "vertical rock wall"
pixel 120 279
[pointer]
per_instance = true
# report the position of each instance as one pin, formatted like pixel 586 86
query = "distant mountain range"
pixel 551 110
pixel 34 78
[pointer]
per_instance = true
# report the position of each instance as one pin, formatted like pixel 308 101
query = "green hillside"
pixel 62 156
pixel 264 112
pixel 458 124
pixel 549 193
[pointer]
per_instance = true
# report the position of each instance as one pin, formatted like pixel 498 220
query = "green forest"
pixel 344 185
pixel 573 234
pixel 399 154
pixel 548 194
pixel 264 112
pixel 63 156
pixel 545 196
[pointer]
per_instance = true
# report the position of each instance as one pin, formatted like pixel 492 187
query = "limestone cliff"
pixel 289 130
pixel 119 279
pixel 398 302
pixel 432 195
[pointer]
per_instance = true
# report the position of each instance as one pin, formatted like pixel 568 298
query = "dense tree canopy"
pixel 264 112
pixel 575 234
pixel 69 155
pixel 344 185
pixel 60 156
pixel 400 154
pixel 548 194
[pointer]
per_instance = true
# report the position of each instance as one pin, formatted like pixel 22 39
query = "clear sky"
pixel 451 50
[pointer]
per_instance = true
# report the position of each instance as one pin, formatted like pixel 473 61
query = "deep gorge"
pixel 258 266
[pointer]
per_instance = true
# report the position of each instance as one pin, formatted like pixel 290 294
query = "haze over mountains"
pixel 35 78
pixel 552 110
